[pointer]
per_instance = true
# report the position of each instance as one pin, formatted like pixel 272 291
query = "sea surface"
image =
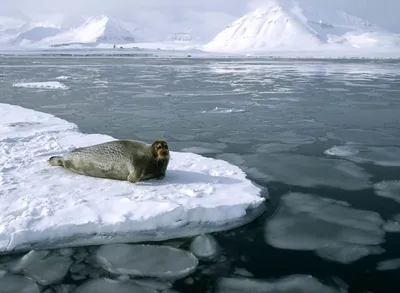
pixel 322 135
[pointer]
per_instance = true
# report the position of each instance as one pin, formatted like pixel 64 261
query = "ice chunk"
pixel 44 267
pixel 389 189
pixel 40 85
pixel 67 251
pixel 389 265
pixel 14 284
pixel 146 260
pixel 194 198
pixel 242 272
pixel 153 284
pixel 393 225
pixel 205 247
pixel 108 286
pixel 63 77
pixel 64 288
pixel 347 253
pixel 80 254
pixel 290 284
pixel 341 151
pixel 28 260
pixel 337 232
pixel 305 171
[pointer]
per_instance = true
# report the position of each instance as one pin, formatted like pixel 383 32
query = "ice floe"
pixel 105 285
pixel 341 151
pixel 336 232
pixel 47 207
pixel 43 266
pixel 15 283
pixel 42 85
pixel 146 260
pixel 290 284
pixel 388 189
pixel 393 225
pixel 377 155
pixel 205 247
pixel 389 265
pixel 306 171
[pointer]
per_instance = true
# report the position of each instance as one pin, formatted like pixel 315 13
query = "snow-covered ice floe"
pixel 47 207
pixel 42 85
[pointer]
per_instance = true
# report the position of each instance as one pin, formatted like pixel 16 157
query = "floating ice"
pixel 242 272
pixel 205 247
pixel 146 260
pixel 64 288
pixel 68 209
pixel 389 189
pixel 389 265
pixel 290 284
pixel 378 155
pixel 347 253
pixel 44 267
pixel 393 225
pixel 42 85
pixel 153 284
pixel 108 285
pixel 63 77
pixel 14 284
pixel 305 171
pixel 341 151
pixel 218 110
pixel 336 232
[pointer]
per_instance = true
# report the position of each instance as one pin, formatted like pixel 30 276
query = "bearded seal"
pixel 120 159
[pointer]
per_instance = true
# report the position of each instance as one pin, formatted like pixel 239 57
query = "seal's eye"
pixel 159 147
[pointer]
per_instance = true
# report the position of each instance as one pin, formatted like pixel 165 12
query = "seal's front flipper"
pixel 135 176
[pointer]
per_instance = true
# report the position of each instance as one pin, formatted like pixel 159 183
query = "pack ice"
pixel 47 207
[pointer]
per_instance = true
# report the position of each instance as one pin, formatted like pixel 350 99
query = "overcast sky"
pixel 212 12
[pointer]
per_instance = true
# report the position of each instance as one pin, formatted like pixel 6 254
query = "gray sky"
pixel 203 13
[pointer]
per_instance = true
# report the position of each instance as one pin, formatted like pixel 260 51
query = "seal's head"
pixel 160 150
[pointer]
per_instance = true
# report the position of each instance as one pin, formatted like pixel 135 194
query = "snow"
pixel 97 29
pixel 43 206
pixel 286 25
pixel 336 232
pixel 35 34
pixel 42 85
pixel 146 261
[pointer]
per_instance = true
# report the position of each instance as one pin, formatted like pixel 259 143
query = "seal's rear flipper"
pixel 56 161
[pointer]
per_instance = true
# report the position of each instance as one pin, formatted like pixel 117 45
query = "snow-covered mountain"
pixel 35 35
pixel 99 29
pixel 287 25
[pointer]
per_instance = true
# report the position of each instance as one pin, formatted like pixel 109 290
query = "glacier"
pixel 48 207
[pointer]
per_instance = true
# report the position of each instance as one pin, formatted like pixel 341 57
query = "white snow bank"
pixel 42 85
pixel 44 206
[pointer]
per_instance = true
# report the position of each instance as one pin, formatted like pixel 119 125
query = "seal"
pixel 129 160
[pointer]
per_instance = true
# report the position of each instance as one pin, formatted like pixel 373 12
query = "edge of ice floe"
pixel 194 228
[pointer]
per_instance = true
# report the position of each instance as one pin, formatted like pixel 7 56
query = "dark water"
pixel 275 119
